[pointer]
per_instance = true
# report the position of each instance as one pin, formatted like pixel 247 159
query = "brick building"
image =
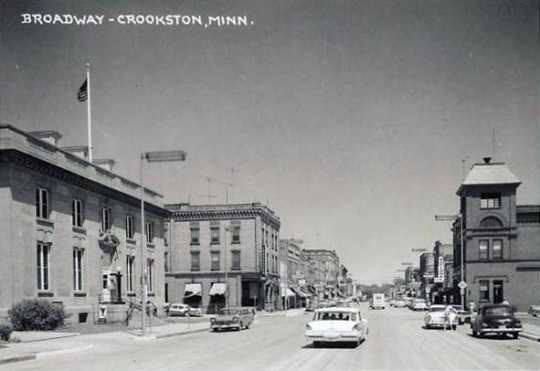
pixel 328 263
pixel 70 229
pixel 224 252
pixel 501 238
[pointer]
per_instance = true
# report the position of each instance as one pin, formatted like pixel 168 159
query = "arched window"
pixel 491 222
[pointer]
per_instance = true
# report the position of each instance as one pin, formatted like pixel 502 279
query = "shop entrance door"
pixel 498 294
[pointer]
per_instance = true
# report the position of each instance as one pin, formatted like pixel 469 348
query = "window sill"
pixel 79 294
pixel 236 269
pixel 78 229
pixel 235 242
pixel 131 241
pixel 195 270
pixel 195 244
pixel 45 294
pixel 214 243
pixel 44 221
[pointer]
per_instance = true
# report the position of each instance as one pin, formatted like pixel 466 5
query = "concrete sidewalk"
pixel 530 331
pixel 50 344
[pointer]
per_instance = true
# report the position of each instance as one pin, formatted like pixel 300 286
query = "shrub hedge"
pixel 36 314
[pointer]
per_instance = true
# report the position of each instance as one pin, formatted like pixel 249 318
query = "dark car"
pixel 233 318
pixel 496 319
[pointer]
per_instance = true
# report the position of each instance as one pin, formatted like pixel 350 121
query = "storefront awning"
pixel 218 289
pixel 290 293
pixel 305 291
pixel 192 289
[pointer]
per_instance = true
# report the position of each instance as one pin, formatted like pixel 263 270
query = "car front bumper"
pixel 332 337
pixel 220 326
pixel 500 330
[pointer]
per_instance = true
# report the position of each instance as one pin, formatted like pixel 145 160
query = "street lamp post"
pixel 462 283
pixel 155 156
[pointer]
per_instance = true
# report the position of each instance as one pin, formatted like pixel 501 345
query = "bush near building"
pixel 5 332
pixel 36 314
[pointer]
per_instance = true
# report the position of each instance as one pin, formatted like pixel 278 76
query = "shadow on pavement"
pixel 333 345
pixel 502 337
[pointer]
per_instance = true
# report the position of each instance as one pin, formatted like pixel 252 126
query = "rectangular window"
pixel 194 235
pixel 214 258
pixel 266 263
pixel 106 219
pixel 195 261
pixel 130 232
pixel 484 290
pixel 483 249
pixel 236 234
pixel 77 213
pixel 130 265
pixel 42 203
pixel 105 281
pixel 214 235
pixel 150 274
pixel 235 261
pixel 78 269
pixel 149 230
pixel 490 200
pixel 43 255
pixel 497 249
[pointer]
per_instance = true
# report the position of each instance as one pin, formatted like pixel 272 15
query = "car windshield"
pixel 335 316
pixel 436 309
pixel 228 311
pixel 498 311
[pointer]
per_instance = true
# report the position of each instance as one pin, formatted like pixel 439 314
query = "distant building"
pixel 294 288
pixel 224 252
pixel 501 239
pixel 427 274
pixel 70 229
pixel 442 255
pixel 329 265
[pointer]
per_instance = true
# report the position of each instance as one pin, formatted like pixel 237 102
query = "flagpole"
pixel 89 112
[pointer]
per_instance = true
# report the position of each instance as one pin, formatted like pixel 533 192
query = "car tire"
pixel 474 333
pixel 316 344
pixel 515 335
pixel 454 327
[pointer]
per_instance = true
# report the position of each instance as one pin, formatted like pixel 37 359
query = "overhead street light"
pixel 452 218
pixel 155 156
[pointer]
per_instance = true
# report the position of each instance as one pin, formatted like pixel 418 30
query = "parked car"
pixel 418 304
pixel 233 318
pixel 464 316
pixel 337 325
pixel 183 309
pixel 496 319
pixel 534 310
pixel 436 316
pixel 377 301
pixel 400 303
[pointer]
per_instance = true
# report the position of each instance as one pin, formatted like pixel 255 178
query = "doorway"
pixel 498 293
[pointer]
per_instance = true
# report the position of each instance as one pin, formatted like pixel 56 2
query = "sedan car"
pixel 436 317
pixel 337 324
pixel 496 319
pixel 233 318
pixel 184 310
pixel 534 310
pixel 400 303
pixel 419 304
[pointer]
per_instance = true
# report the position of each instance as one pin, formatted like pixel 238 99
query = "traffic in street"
pixel 397 339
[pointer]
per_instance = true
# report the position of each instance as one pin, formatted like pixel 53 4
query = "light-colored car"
pixel 337 324
pixel 419 304
pixel 534 310
pixel 464 316
pixel 377 301
pixel 179 309
pixel 400 303
pixel 436 316
pixel 233 318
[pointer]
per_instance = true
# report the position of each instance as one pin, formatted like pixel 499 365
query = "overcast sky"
pixel 349 118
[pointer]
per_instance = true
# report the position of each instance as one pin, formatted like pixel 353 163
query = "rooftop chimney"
pixel 105 163
pixel 79 151
pixel 49 136
pixel 487 160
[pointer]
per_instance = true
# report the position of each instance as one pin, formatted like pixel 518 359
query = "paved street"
pixel 396 341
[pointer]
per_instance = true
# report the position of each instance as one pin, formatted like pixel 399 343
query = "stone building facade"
pixel 501 239
pixel 70 230
pixel 224 255
pixel 328 262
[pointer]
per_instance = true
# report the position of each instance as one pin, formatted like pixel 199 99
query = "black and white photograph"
pixel 303 185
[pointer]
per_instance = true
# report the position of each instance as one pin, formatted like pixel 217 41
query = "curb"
pixel 171 334
pixel 530 336
pixel 17 359
pixel 41 355
pixel 53 338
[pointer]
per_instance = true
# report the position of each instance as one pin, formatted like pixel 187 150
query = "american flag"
pixel 82 94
